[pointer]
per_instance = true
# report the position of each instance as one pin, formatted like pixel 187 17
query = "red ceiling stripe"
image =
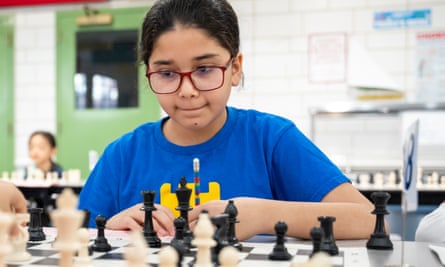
pixel 4 3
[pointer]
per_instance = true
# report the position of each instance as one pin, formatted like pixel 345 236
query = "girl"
pixel 42 149
pixel 263 162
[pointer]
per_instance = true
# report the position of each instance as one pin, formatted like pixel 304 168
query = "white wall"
pixel 274 43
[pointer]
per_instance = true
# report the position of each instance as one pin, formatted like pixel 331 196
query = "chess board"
pixel 252 254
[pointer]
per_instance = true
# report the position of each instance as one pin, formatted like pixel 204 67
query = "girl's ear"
pixel 237 69
pixel 53 152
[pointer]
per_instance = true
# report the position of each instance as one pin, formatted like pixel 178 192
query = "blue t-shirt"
pixel 255 154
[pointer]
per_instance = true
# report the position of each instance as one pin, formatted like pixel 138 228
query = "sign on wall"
pixel 327 57
pixel 402 19
pixel 430 67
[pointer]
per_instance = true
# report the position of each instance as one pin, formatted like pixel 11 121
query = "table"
pixel 44 196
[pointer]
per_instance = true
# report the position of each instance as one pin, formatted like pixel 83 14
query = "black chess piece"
pixel 181 253
pixel 183 194
pixel 221 223
pixel 178 240
pixel 317 236
pixel 35 229
pixel 232 211
pixel 101 243
pixel 379 238
pixel 86 218
pixel 328 244
pixel 150 235
pixel 280 252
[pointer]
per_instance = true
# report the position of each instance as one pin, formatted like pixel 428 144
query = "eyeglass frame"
pixel 189 75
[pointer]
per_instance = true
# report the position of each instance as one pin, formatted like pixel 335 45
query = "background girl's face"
pixel 40 150
pixel 185 49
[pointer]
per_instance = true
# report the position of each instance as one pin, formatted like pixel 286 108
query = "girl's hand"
pixel 133 219
pixel 252 218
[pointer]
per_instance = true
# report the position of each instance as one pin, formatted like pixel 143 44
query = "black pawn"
pixel 221 223
pixel 101 243
pixel 279 252
pixel 178 239
pixel 232 211
pixel 380 239
pixel 317 236
pixel 328 241
pixel 35 229
pixel 183 194
pixel 150 235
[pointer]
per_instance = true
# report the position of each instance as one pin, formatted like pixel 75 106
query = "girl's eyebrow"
pixel 170 62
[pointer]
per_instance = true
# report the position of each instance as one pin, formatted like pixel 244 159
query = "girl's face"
pixel 40 150
pixel 185 49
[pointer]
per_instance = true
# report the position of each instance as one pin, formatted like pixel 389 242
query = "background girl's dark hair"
pixel 47 135
pixel 216 17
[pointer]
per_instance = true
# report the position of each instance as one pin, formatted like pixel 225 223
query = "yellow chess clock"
pixel 168 197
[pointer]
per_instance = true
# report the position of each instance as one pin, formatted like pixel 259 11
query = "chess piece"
pixel 178 240
pixel 136 252
pixel 35 229
pixel 203 241
pixel 279 252
pixel 67 219
pixel 6 222
pixel 229 257
pixel 320 259
pixel 328 241
pixel 183 194
pixel 150 235
pixel 20 239
pixel 101 243
pixel 168 257
pixel 221 222
pixel 232 211
pixel 86 219
pixel 379 238
pixel 317 236
pixel 83 256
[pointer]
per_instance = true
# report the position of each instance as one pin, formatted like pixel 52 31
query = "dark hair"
pixel 216 17
pixel 47 135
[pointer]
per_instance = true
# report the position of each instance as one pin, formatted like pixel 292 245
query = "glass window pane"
pixel 106 69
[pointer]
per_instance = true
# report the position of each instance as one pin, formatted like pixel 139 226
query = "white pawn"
pixel 83 259
pixel 319 259
pixel 6 221
pixel 228 257
pixel 20 239
pixel 136 252
pixel 168 257
pixel 203 241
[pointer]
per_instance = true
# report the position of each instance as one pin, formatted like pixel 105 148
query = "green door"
pixel 83 125
pixel 6 95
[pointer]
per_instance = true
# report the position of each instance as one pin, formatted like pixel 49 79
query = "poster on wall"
pixel 430 67
pixel 327 58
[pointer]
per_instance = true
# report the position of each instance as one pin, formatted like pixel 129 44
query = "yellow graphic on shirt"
pixel 168 197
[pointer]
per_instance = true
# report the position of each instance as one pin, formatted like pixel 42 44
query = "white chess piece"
pixel 136 252
pixel 5 176
pixel 83 259
pixel 6 221
pixel 204 241
pixel 228 257
pixel 168 257
pixel 67 219
pixel 20 239
pixel 379 179
pixel 319 259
